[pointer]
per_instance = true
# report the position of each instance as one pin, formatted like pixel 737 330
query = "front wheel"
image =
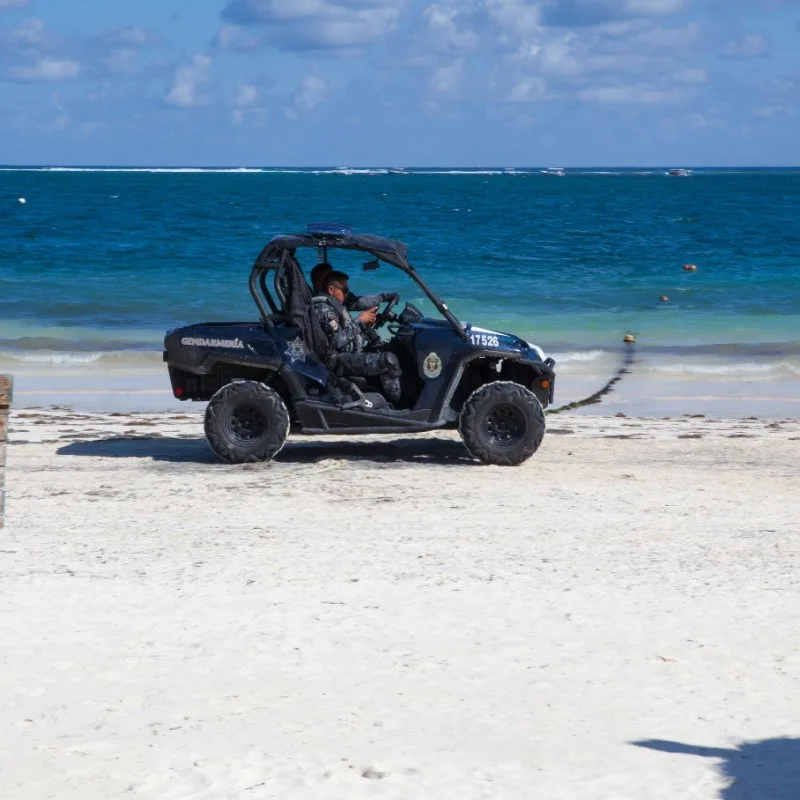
pixel 502 423
pixel 246 421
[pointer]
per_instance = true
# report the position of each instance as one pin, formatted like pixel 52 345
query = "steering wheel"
pixel 386 315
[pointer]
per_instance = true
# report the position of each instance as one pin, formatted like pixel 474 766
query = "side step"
pixel 319 417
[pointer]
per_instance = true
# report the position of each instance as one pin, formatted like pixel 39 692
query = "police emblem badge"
pixel 432 366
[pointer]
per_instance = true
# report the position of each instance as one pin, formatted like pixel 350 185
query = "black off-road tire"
pixel 502 423
pixel 245 422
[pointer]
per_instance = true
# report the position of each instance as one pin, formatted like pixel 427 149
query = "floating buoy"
pixel 22 200
pixel 664 298
pixel 690 268
pixel 629 338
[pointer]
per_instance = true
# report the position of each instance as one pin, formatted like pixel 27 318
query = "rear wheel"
pixel 246 421
pixel 502 423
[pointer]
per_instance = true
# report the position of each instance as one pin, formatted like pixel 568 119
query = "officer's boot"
pixel 390 377
pixel 391 388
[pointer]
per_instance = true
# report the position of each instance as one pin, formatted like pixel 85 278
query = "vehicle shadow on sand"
pixel 441 452
pixel 768 769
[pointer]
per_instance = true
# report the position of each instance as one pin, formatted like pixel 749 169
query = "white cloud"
pixel 754 45
pixel 32 51
pixel 559 58
pixel 690 75
pixel 252 117
pixel 655 7
pixel 449 30
pixel 660 40
pixel 47 69
pixel 638 95
pixel 518 18
pixel 238 38
pixel 311 91
pixel 785 86
pixel 9 4
pixel 248 107
pixel 528 90
pixel 89 128
pixel 132 36
pixel 186 81
pixel 512 36
pixel 769 112
pixel 697 121
pixel 309 24
pixel 634 54
pixel 589 13
pixel 118 51
pixel 445 79
pixel 29 34
pixel 117 62
pixel 62 120
pixel 246 95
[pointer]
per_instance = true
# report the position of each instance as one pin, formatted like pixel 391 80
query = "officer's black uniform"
pixel 354 302
pixel 348 338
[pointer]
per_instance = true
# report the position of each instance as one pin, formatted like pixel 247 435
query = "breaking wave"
pixel 742 368
pixel 579 356
pixel 530 171
pixel 52 358
pixel 71 358
pixel 140 169
pixel 79 346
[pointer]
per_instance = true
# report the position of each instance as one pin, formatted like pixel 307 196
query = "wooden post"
pixel 6 386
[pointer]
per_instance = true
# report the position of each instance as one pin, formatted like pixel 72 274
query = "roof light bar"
pixel 329 229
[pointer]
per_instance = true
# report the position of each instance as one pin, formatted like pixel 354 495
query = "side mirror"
pixel 369 266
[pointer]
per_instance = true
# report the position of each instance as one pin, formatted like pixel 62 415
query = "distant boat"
pixel 509 171
pixel 559 172
pixel 679 173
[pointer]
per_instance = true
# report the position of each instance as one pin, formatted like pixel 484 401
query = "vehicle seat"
pixel 283 288
pixel 298 300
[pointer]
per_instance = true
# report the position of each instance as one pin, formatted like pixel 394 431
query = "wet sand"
pixel 653 386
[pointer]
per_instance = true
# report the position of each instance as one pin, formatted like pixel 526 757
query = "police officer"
pixel 351 302
pixel 318 274
pixel 348 337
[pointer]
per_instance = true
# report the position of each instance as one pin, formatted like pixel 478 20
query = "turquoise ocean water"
pixel 97 264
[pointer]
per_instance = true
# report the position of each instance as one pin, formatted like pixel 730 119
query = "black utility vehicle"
pixel 264 379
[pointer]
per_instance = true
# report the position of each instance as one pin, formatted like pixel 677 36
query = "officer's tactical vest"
pixel 341 311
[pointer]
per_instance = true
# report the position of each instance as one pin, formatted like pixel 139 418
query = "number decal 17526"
pixel 484 340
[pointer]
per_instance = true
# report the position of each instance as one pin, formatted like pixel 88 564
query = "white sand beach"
pixel 383 618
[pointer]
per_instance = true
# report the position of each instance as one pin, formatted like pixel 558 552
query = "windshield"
pixel 371 282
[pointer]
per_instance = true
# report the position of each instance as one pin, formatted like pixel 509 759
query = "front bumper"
pixel 544 381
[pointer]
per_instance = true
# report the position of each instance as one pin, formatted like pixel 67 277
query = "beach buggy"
pixel 265 379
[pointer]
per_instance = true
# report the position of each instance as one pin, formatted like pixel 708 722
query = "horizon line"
pixel 388 167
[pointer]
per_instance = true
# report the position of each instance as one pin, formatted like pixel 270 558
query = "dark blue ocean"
pixel 98 264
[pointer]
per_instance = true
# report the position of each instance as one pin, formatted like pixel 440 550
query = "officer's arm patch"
pixel 333 325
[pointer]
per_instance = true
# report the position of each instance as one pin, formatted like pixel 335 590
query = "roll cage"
pixel 280 250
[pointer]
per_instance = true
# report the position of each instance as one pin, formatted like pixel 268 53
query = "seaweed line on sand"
pixel 624 369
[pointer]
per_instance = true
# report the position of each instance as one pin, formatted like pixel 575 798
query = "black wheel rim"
pixel 504 425
pixel 246 423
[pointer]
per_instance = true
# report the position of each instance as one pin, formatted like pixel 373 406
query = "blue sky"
pixel 400 82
